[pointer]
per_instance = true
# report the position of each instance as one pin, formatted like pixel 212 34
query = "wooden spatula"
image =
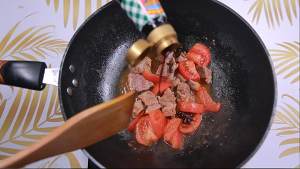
pixel 85 128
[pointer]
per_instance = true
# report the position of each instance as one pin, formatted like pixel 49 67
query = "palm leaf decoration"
pixel 286 60
pixel 275 11
pixel 71 11
pixel 33 43
pixel 288 118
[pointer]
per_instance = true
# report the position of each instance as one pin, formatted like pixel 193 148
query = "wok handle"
pixel 83 129
pixel 25 74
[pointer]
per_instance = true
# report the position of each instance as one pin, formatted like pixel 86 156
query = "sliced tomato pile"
pixel 188 70
pixel 204 98
pixel 152 126
pixel 199 54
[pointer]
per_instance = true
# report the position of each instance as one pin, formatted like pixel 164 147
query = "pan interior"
pixel 242 82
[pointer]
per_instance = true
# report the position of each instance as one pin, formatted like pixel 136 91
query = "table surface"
pixel 26 116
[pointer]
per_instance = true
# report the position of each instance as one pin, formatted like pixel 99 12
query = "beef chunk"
pixel 153 107
pixel 205 73
pixel 184 93
pixel 137 107
pixel 148 98
pixel 168 101
pixel 170 66
pixel 143 65
pixel 138 83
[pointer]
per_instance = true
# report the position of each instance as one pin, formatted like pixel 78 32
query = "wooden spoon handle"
pixel 85 128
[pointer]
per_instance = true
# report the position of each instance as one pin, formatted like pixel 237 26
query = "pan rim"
pixel 261 141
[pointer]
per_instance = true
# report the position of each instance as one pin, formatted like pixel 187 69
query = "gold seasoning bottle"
pixel 150 18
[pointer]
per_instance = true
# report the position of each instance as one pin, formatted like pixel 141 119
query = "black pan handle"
pixel 25 74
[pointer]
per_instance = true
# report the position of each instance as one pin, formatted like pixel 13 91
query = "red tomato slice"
pixel 204 98
pixel 133 122
pixel 177 140
pixel 155 89
pixel 192 127
pixel 188 70
pixel 199 54
pixel 151 77
pixel 158 122
pixel 171 128
pixel 164 85
pixel 190 107
pixel 144 132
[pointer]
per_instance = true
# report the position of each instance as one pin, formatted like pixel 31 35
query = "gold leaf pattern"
pixel 286 60
pixel 273 11
pixel 71 8
pixel 288 116
pixel 32 44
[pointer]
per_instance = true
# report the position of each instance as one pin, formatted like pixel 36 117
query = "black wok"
pixel 243 81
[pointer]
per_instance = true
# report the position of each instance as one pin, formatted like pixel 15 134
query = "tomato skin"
pixel 132 124
pixel 144 132
pixel 177 140
pixel 164 85
pixel 192 127
pixel 199 54
pixel 171 128
pixel 209 104
pixel 188 70
pixel 158 122
pixel 155 89
pixel 190 107
pixel 151 77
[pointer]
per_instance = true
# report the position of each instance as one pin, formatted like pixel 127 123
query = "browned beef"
pixel 184 93
pixel 158 71
pixel 137 107
pixel 168 101
pixel 205 73
pixel 194 85
pixel 138 83
pixel 143 65
pixel 153 107
pixel 175 82
pixel 170 66
pixel 148 98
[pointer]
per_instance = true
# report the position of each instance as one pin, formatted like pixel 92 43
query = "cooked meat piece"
pixel 153 107
pixel 205 73
pixel 181 78
pixel 138 83
pixel 148 98
pixel 168 101
pixel 182 57
pixel 184 93
pixel 158 71
pixel 175 82
pixel 137 107
pixel 170 66
pixel 194 85
pixel 169 110
pixel 143 65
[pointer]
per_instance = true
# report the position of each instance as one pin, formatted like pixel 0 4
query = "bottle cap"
pixel 163 37
pixel 138 50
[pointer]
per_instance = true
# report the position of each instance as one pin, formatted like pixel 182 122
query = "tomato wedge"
pixel 199 54
pixel 192 127
pixel 158 122
pixel 204 98
pixel 177 140
pixel 144 132
pixel 155 89
pixel 151 77
pixel 133 122
pixel 188 70
pixel 164 85
pixel 190 107
pixel 170 129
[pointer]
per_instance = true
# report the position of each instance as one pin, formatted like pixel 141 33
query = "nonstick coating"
pixel 242 81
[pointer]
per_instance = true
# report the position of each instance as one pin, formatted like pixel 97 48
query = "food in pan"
pixel 172 95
